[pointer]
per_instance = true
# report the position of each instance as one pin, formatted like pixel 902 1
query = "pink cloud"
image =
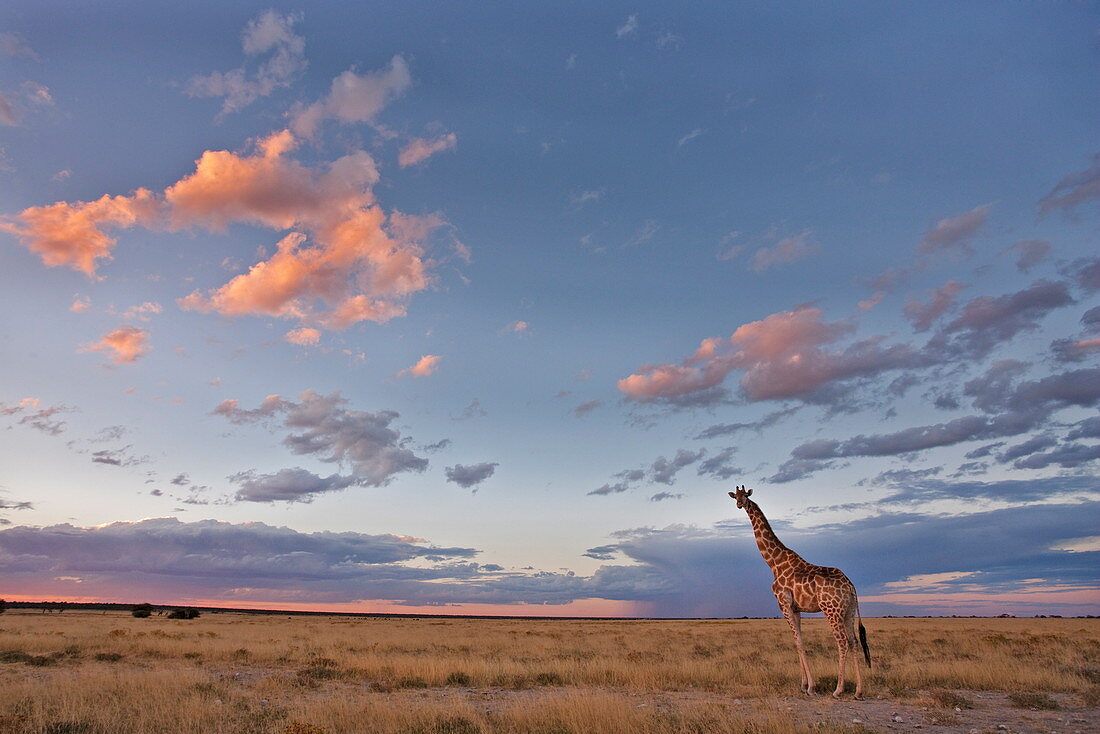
pixel 80 304
pixel 72 235
pixel 344 260
pixel 303 337
pixel 420 149
pixel 124 345
pixel 954 233
pixel 424 367
pixel 781 356
pixel 923 315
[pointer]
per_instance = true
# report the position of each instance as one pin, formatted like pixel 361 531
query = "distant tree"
pixel 142 610
pixel 188 613
pixel 3 606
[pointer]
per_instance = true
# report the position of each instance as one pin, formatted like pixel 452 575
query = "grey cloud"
pixel 118 457
pixel 1032 252
pixel 288 485
pixel 473 410
pixel 664 470
pixel 1030 446
pixel 987 321
pixel 627 479
pixel 729 429
pixel 363 441
pixel 719 466
pixel 585 408
pixel 1088 428
pixel 40 418
pixel 1067 456
pixel 472 475
pixel 661 496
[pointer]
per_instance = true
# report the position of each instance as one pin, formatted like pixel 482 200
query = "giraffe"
pixel 803 587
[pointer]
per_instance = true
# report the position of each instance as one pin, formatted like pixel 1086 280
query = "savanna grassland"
pixel 107 673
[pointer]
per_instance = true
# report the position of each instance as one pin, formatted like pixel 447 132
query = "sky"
pixel 485 308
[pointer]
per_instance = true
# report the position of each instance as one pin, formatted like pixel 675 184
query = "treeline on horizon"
pixel 61 606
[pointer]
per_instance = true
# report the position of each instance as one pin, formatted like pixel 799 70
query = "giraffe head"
pixel 741 495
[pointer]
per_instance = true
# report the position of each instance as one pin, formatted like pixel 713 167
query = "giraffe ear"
pixel 749 493
pixel 731 494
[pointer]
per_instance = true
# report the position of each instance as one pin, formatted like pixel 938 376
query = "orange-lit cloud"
pixel 72 234
pixel 80 304
pixel 303 337
pixel 424 367
pixel 420 149
pixel 782 356
pixel 124 345
pixel 344 260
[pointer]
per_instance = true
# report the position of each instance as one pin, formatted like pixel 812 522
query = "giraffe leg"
pixel 794 619
pixel 839 625
pixel 851 627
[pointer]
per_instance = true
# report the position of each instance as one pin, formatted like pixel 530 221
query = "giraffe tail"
pixel 863 637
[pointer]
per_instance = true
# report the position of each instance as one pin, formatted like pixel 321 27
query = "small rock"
pixel 958 709
pixel 1002 727
pixel 897 718
pixel 857 721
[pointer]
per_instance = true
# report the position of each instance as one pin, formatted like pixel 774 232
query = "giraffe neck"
pixel 771 548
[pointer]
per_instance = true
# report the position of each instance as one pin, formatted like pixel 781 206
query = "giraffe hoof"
pixel 836 695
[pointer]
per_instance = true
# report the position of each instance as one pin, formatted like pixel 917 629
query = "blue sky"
pixel 551 280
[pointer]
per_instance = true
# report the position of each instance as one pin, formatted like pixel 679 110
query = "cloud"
pixel 661 471
pixel 356 269
pixel 954 234
pixel 664 470
pixel 8 115
pixel 1031 253
pixel 587 407
pixel 124 345
pixel 142 312
pixel 628 28
pixel 71 235
pixel 32 413
pixel 782 356
pixel 323 427
pixel 354 97
pixel 718 571
pixel 118 457
pixel 303 337
pixel 288 485
pixel 719 466
pixel 662 496
pixel 1024 407
pixel 628 478
pixel 922 315
pixel 1086 274
pixel 987 321
pixel 419 150
pixel 472 475
pixel 166 558
pixel 473 410
pixel 344 260
pixel 1073 190
pixel 425 366
pixel 729 429
pixel 786 250
pixel 270 33
pixel 14 45
pixel 691 135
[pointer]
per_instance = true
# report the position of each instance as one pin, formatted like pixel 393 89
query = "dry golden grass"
pixel 108 673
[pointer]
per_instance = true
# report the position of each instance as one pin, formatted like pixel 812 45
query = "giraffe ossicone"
pixel 800 587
